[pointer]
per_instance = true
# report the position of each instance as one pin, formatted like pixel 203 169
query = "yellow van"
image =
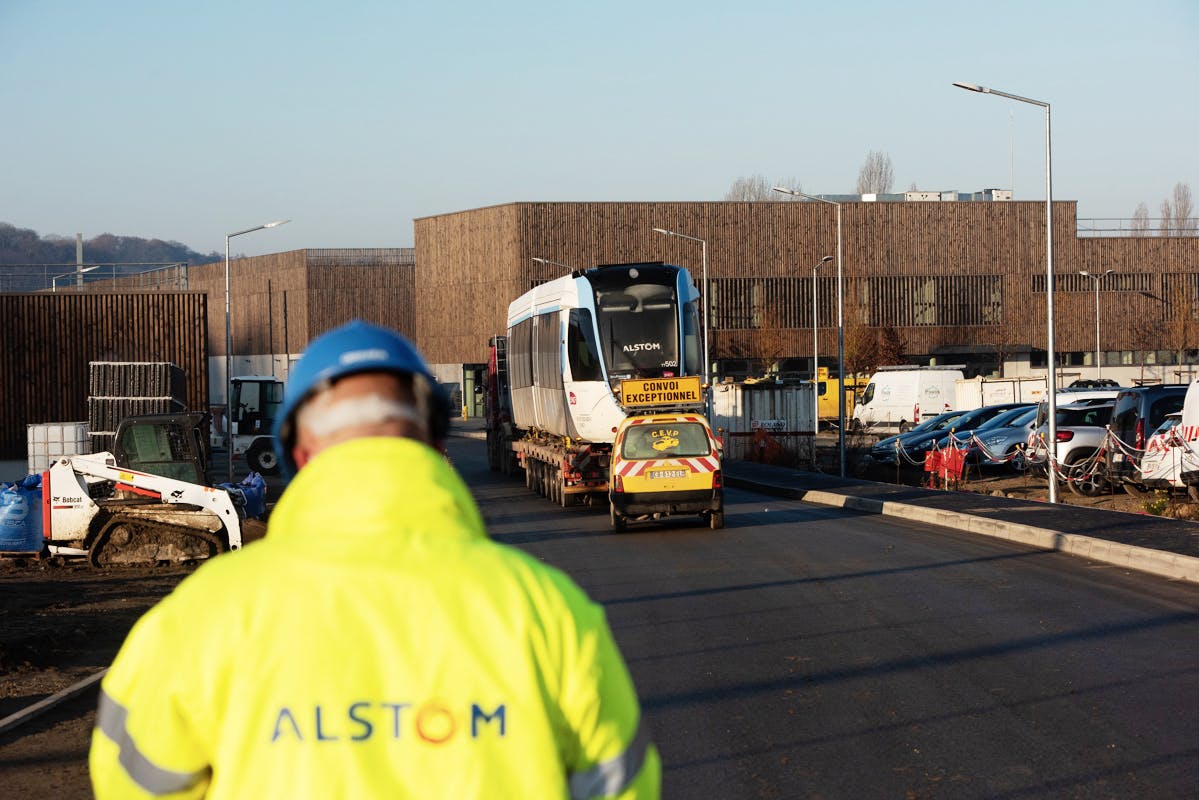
pixel 663 465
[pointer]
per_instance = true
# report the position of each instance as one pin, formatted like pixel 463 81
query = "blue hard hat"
pixel 354 347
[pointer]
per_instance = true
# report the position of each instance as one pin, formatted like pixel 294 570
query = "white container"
pixel 49 441
pixel 745 417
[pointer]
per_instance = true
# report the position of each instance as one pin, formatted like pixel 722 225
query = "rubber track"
pixel 143 532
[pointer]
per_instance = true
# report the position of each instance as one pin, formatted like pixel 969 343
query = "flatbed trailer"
pixel 566 472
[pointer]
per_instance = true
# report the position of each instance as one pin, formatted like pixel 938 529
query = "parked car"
pixel 1138 412
pixel 1093 383
pixel 1081 432
pixel 1161 464
pixel 1005 439
pixel 883 451
pixel 915 447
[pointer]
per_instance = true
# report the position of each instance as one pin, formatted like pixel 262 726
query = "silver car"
pixel 1081 433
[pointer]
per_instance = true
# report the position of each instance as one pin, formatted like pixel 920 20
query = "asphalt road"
pixel 806 651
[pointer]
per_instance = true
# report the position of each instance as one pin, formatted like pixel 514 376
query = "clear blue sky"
pixel 187 121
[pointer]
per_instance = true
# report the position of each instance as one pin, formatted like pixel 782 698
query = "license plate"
pixel 667 473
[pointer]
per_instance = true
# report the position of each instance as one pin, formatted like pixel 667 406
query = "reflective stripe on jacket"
pixel 375 644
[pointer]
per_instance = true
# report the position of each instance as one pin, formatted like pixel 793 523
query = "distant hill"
pixel 24 246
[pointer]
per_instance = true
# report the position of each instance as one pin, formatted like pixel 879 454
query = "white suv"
pixel 1081 431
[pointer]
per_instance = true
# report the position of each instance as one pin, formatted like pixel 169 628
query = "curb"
pixel 1142 559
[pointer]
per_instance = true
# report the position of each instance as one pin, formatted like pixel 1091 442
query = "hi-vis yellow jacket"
pixel 375 644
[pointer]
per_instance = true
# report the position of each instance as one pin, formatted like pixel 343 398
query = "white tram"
pixel 572 340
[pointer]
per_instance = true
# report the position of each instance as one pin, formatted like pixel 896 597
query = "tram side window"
pixel 547 355
pixel 520 354
pixel 581 348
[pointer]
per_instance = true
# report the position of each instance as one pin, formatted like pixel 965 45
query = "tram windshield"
pixel 638 320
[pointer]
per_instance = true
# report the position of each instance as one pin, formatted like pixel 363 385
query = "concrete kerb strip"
pixel 1143 559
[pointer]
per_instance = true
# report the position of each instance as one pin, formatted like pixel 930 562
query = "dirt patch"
pixel 62 621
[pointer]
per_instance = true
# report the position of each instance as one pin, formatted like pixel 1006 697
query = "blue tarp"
pixel 250 494
pixel 21 516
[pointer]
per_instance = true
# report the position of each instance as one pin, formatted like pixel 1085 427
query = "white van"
pixel 899 398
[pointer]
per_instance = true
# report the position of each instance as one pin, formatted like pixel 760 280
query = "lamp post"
pixel 1050 347
pixel 548 262
pixel 707 373
pixel 1097 278
pixel 54 280
pixel 229 342
pixel 815 358
pixel 840 327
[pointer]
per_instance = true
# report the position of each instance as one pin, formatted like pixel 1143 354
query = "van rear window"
pixel 666 440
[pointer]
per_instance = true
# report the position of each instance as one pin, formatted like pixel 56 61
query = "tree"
pixel 756 188
pixel 861 341
pixel 769 344
pixel 1140 220
pixel 1180 330
pixel 23 246
pixel 890 346
pixel 1184 223
pixel 1164 228
pixel 876 175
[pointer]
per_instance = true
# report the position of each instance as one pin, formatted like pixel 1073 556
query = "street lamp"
pixel 547 262
pixel 1097 278
pixel 840 327
pixel 229 341
pixel 1050 347
pixel 54 280
pixel 707 373
pixel 815 368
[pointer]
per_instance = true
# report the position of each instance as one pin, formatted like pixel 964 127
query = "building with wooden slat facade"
pixel 959 282
pixel 278 303
pixel 50 338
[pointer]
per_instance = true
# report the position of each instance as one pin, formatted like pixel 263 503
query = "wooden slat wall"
pixel 379 294
pixel 471 264
pixel 467 268
pixel 49 339
pixel 261 287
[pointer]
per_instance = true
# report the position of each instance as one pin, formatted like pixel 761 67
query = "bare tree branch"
pixel 876 175
pixel 1140 220
pixel 756 188
pixel 1184 223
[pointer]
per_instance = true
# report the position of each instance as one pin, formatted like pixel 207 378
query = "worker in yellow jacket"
pixel 376 643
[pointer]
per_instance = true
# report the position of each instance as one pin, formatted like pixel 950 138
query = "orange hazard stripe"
pixel 47 517
pixel 137 490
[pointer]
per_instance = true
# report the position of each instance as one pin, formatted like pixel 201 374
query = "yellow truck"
pixel 826 393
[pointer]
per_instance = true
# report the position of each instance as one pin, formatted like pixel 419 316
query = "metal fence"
pixel 79 277
pixel 1092 227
